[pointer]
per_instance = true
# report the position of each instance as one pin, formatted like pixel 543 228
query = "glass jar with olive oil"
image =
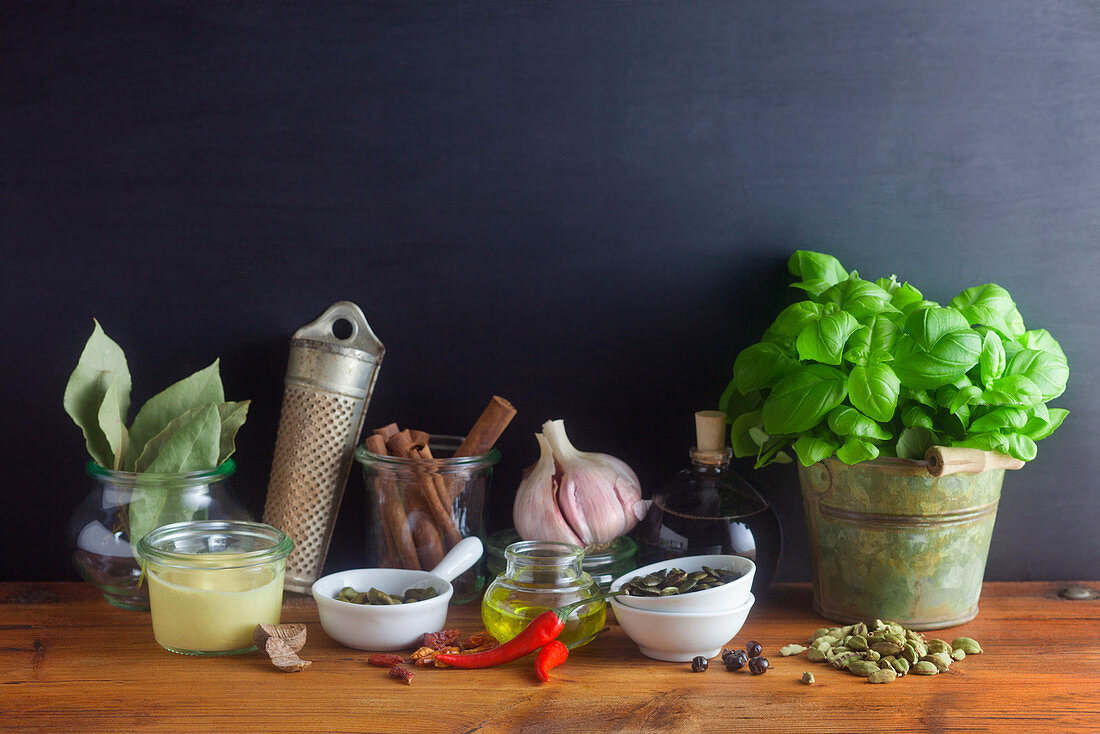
pixel 540 576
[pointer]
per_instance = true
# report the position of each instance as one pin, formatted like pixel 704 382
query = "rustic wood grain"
pixel 71 662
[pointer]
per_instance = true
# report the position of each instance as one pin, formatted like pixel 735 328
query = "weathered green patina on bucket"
pixel 889 540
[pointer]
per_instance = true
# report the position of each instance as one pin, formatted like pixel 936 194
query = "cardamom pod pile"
pixel 882 652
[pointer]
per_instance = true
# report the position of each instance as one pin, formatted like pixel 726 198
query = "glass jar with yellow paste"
pixel 211 583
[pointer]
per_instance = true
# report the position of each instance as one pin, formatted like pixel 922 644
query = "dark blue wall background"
pixel 583 206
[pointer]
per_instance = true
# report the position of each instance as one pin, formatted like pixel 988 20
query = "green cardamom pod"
pixel 910 654
pixel 819 632
pixel 862 668
pixel 791 649
pixel 871 655
pixel 841 661
pixel 938 646
pixel 815 656
pixel 808 678
pixel 967 645
pixel 841 648
pixel 958 654
pixel 897 639
pixel 887 648
pixel 921 648
pixel 885 675
pixel 857 642
pixel 924 668
pixel 901 665
pixel 941 660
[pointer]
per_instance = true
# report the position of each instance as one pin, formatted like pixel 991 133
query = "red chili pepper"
pixel 551 655
pixel 543 629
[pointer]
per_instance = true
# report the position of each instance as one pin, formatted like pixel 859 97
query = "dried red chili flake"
pixel 478 640
pixel 402 674
pixel 439 640
pixel 422 657
pixel 385 660
pixel 449 650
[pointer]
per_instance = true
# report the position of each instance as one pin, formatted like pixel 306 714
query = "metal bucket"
pixel 889 541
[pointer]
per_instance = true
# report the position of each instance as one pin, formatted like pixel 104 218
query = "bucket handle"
pixel 943 461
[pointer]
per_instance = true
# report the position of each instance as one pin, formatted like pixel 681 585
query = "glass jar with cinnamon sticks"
pixel 425 493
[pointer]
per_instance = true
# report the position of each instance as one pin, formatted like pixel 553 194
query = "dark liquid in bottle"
pixel 704 512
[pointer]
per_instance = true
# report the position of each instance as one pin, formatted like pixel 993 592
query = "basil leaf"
pixel 823 340
pixel 992 360
pixel 991 441
pixel 740 438
pixel 761 366
pixel 927 326
pixel 800 400
pixel 845 421
pixel 906 297
pixel 733 403
pixel 201 388
pixel 1013 390
pixel 856 450
pixel 101 369
pixel 1005 417
pixel 1020 446
pixel 913 443
pixel 792 320
pixel 964 397
pixel 949 358
pixel 810 265
pixel 1049 373
pixel 868 342
pixel 811 450
pixel 917 396
pixel 1039 428
pixel 1041 340
pixel 859 298
pixel 917 416
pixel 991 305
pixel 874 389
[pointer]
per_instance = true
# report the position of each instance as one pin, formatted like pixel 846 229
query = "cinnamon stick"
pixel 431 484
pixel 386 431
pixel 429 546
pixel 420 437
pixel 394 520
pixel 488 427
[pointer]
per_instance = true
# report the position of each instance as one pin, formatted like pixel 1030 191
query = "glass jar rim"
pixel 366 457
pixel 149 548
pixel 223 470
pixel 543 553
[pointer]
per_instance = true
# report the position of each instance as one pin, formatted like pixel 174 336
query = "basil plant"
pixel 863 369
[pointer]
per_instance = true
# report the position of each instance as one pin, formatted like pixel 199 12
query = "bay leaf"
pixel 196 390
pixel 232 416
pixel 191 442
pixel 101 363
pixel 112 419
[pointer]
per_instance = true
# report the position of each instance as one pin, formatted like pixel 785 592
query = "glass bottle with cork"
pixel 709 509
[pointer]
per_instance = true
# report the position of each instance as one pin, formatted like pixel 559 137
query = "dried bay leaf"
pixel 196 390
pixel 101 364
pixel 112 418
pixel 232 415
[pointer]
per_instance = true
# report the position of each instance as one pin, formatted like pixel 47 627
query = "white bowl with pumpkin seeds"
pixel 687 598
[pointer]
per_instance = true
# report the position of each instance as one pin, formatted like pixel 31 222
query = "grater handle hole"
pixel 343 329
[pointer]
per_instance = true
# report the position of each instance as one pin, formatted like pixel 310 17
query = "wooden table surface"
pixel 71 662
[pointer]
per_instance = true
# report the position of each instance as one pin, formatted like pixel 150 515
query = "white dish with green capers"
pixel 682 592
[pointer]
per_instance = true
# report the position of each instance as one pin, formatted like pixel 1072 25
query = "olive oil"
pixel 505 616
pixel 540 576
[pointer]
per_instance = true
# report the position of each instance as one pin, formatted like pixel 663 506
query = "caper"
pixel 699 664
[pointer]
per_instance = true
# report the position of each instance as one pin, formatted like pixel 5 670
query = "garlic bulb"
pixel 575 496
pixel 535 511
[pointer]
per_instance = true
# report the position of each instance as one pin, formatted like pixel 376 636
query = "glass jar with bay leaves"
pixel 122 507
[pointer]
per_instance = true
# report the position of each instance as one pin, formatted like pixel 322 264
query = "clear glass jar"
pixel 403 530
pixel 123 506
pixel 541 575
pixel 709 509
pixel 604 564
pixel 211 583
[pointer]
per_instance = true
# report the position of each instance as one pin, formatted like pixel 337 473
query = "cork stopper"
pixel 710 430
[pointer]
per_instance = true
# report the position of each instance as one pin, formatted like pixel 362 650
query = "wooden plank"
pixel 71 662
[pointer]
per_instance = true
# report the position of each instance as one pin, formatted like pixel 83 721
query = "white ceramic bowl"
pixel 680 636
pixel 391 627
pixel 720 598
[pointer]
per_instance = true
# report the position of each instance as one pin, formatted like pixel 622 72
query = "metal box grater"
pixel 328 387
